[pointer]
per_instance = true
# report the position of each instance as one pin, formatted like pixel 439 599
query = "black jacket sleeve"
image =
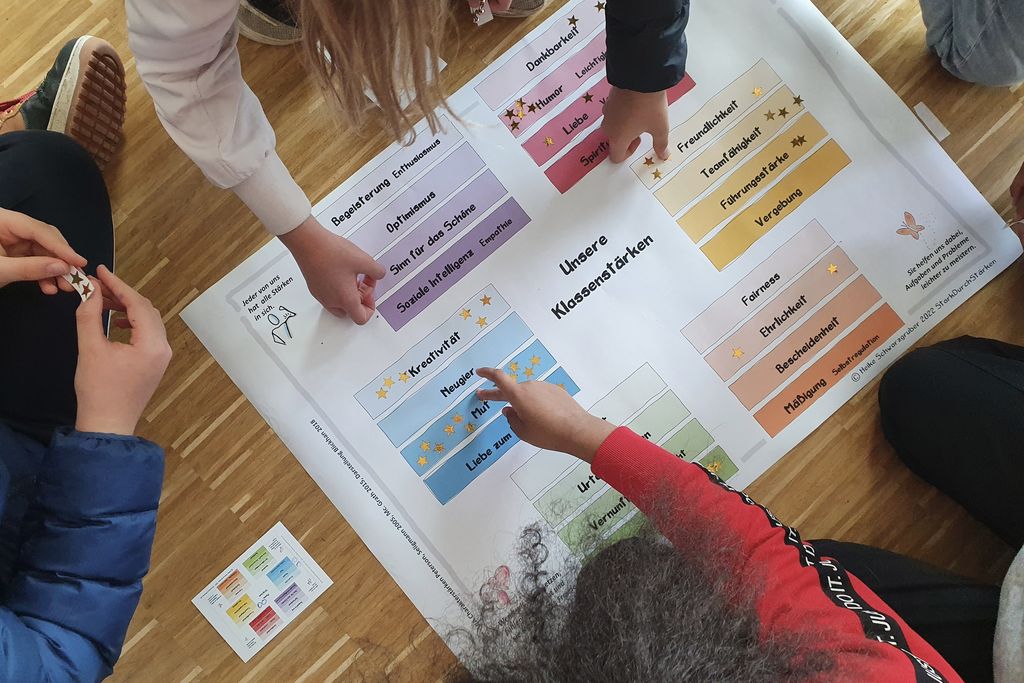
pixel 646 43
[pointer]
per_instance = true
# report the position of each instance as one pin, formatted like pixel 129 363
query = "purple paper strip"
pixel 454 264
pixel 429 236
pixel 418 201
pixel 390 177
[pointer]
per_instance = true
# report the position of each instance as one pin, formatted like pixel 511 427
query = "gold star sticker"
pixel 799 141
pixel 600 6
pixel 513 375
pixel 520 114
pixel 515 125
pixel 520 103
pixel 770 115
pixel 470 427
pixel 548 141
pixel 561 385
pixel 87 289
pixel 510 114
pixel 422 461
pixel 657 174
pixel 485 300
pixel 388 383
pixel 456 419
pixel 449 430
pixel 588 98
pixel 648 161
pixel 833 269
pixel 528 372
pixel 514 367
pixel 76 279
pixel 425 446
pixel 532 108
pixel 439 447
pixel 382 393
pixel 783 112
pixel 535 360
pixel 713 467
pixel 465 313
pixel 737 353
pixel 573 21
pixel 798 101
pixel 757 92
pixel 404 376
pixel 481 321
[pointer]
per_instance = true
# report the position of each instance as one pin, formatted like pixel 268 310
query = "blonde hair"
pixel 388 47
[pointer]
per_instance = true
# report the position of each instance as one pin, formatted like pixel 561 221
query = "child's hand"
pixel 628 115
pixel 31 250
pixel 546 416
pixel 114 381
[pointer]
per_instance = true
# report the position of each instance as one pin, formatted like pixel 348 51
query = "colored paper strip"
pixel 690 441
pixel 555 88
pixel 780 314
pixel 486 448
pixel 826 373
pixel 758 287
pixel 563 128
pixel 726 153
pixel 417 201
pixel 448 385
pixel 827 324
pixel 775 205
pixel 390 176
pixel 585 157
pixel 719 113
pixel 463 256
pixel 433 233
pixel 462 420
pixel 738 190
pixel 602 514
pixel 658 418
pixel 562 499
pixel 717 462
pixel 447 339
pixel 539 54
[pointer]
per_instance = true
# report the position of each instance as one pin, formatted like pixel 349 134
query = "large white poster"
pixel 805 231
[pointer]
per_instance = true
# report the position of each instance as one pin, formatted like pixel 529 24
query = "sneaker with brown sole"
pixel 83 96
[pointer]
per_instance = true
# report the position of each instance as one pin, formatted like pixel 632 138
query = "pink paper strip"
pixel 556 87
pixel 584 157
pixel 567 124
pixel 533 58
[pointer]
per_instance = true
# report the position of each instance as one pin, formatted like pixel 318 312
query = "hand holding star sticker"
pixel 115 381
pixel 32 250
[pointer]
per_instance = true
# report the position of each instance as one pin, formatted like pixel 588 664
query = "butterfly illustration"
pixel 496 587
pixel 910 228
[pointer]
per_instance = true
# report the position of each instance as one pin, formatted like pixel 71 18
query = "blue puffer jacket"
pixel 76 530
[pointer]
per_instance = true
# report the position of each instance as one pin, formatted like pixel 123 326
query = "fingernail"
pixel 57 269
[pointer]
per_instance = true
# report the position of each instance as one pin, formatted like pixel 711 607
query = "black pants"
pixel 954 412
pixel 51 178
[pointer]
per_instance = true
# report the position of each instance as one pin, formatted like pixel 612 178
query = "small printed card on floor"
pixel 261 592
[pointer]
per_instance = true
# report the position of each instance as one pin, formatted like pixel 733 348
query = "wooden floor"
pixel 229 478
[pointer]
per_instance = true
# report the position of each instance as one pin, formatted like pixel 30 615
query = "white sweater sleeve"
pixel 186 53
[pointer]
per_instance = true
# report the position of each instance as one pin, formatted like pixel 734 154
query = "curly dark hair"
pixel 637 610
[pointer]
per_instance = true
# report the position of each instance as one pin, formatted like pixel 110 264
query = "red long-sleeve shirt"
pixel 801 590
